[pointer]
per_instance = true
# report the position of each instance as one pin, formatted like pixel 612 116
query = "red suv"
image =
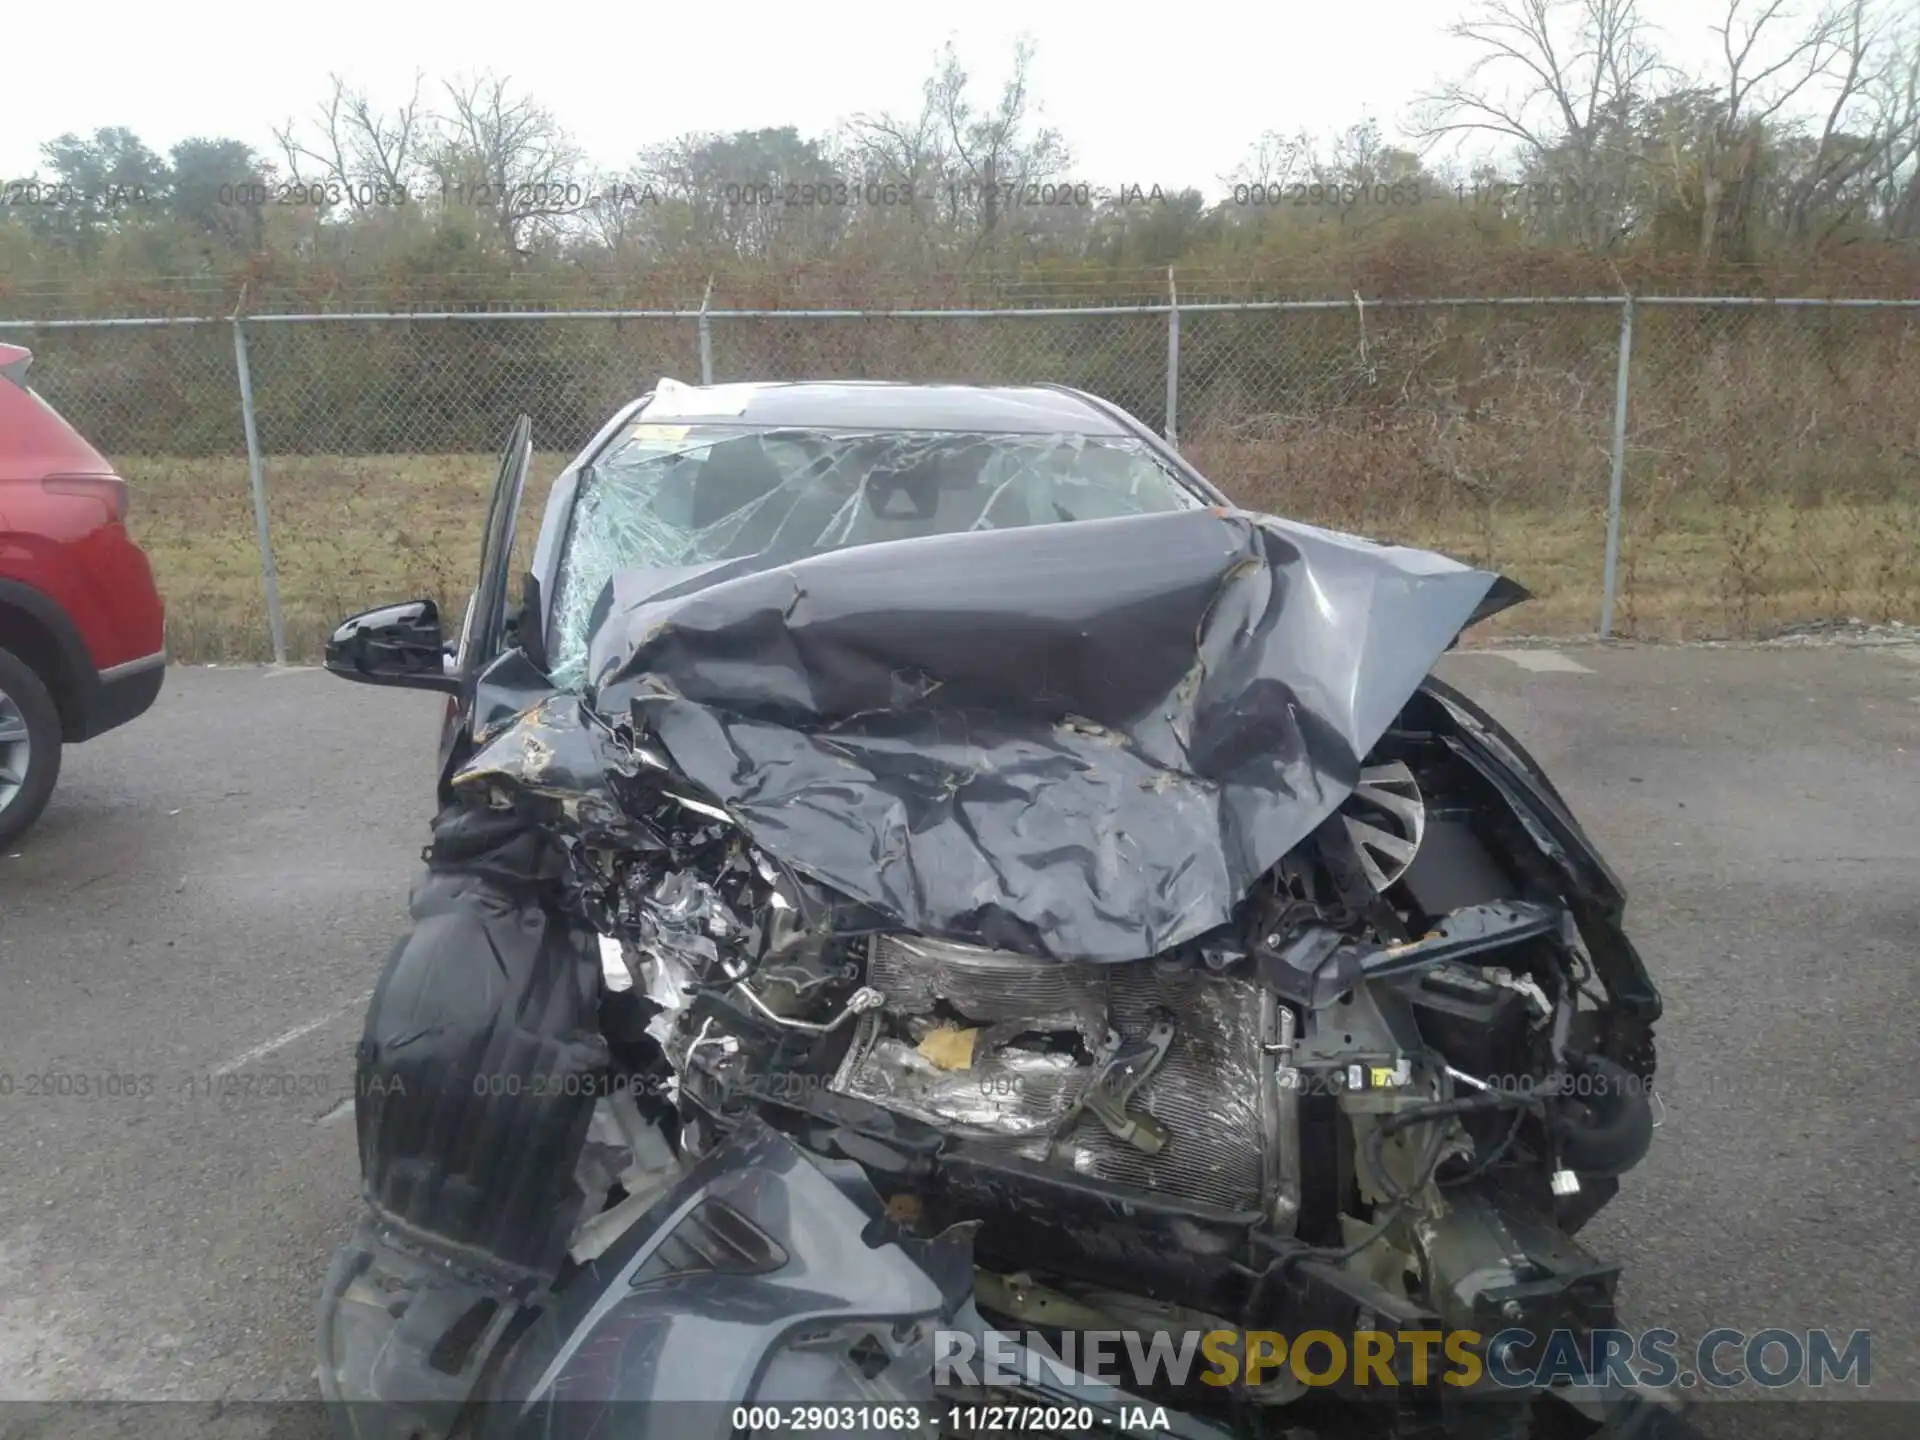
pixel 82 630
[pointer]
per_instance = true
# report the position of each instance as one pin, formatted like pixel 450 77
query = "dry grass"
pixel 350 533
pixel 1729 528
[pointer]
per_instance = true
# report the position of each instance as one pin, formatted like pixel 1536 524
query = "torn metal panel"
pixel 765 1276
pixel 1080 741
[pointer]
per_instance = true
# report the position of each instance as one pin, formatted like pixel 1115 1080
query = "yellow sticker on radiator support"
pixel 949 1049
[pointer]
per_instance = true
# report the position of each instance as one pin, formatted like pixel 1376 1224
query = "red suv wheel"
pixel 29 746
pixel 82 630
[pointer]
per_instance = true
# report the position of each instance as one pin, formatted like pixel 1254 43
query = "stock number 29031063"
pixel 813 1419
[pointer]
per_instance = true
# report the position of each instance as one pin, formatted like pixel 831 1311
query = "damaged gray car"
pixel 917 866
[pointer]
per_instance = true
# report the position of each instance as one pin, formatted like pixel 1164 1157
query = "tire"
pixel 1610 1130
pixel 27 770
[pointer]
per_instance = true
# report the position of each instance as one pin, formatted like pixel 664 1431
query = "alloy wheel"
pixel 16 750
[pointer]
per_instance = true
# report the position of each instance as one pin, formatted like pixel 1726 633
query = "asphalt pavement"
pixel 188 938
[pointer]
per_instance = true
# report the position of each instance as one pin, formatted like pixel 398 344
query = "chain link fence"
pixel 1665 468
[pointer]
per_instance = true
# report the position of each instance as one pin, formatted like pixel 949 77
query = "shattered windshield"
pixel 689 495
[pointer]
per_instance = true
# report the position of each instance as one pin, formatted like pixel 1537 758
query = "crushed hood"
pixel 1084 741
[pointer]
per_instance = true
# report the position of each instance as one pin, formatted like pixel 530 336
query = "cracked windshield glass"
pixel 667 496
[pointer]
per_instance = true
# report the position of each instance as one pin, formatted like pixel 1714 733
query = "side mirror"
pixel 394 645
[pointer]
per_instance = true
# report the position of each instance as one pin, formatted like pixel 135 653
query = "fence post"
pixel 706 336
pixel 1173 362
pixel 269 576
pixel 1610 585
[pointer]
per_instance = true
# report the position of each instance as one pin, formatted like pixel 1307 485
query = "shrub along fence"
pixel 1659 467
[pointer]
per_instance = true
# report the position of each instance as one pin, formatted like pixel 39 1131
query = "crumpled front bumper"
pixel 764 1275
pixel 404 1338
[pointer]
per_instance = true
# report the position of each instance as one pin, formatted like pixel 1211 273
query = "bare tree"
pixel 1893 95
pixel 900 149
pixel 975 161
pixel 997 157
pixel 373 156
pixel 509 156
pixel 616 213
pixel 1871 126
pixel 906 153
pixel 1560 79
pixel 1274 160
pixel 1760 79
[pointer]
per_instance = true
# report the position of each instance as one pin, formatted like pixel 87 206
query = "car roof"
pixel 886 405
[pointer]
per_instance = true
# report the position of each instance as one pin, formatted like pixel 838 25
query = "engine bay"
pixel 1399 1085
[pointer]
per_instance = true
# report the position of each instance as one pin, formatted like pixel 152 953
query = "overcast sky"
pixel 1170 94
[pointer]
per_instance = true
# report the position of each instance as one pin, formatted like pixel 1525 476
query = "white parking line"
pixel 267 1047
pixel 1542 660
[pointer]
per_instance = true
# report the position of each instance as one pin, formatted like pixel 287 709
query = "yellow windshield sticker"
pixel 660 432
